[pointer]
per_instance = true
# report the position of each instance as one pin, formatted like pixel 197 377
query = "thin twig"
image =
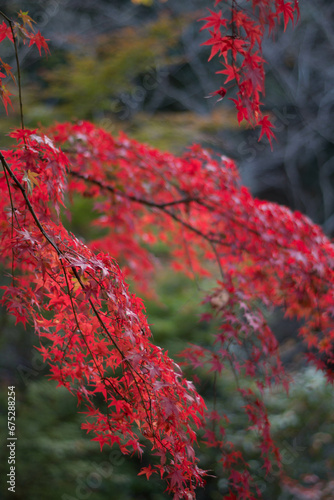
pixel 10 22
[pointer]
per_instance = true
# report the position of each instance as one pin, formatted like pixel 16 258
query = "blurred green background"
pixel 141 69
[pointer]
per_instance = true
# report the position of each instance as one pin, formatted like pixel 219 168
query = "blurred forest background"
pixel 142 69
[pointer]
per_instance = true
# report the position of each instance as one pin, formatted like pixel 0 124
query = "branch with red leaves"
pixel 236 35
pixel 267 255
pixel 14 31
pixel 98 340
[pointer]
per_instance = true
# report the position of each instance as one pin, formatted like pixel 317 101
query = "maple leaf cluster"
pixel 94 332
pixel 236 35
pixel 267 256
pixel 15 31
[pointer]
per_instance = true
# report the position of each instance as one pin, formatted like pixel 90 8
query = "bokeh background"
pixel 141 69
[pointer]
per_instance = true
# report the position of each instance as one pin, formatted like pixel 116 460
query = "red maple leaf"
pixel 221 92
pixel 4 95
pixel 40 42
pixel 148 471
pixel 5 31
pixel 214 21
pixel 266 127
pixel 287 10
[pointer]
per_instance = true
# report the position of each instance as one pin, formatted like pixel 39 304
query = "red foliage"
pixel 93 331
pixel 236 35
pixel 98 340
pixel 25 32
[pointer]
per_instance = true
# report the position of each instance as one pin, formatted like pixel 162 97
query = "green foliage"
pixel 304 420
pixel 94 76
pixel 174 131
pixel 55 459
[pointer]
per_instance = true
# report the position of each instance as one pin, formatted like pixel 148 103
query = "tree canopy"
pixel 90 326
